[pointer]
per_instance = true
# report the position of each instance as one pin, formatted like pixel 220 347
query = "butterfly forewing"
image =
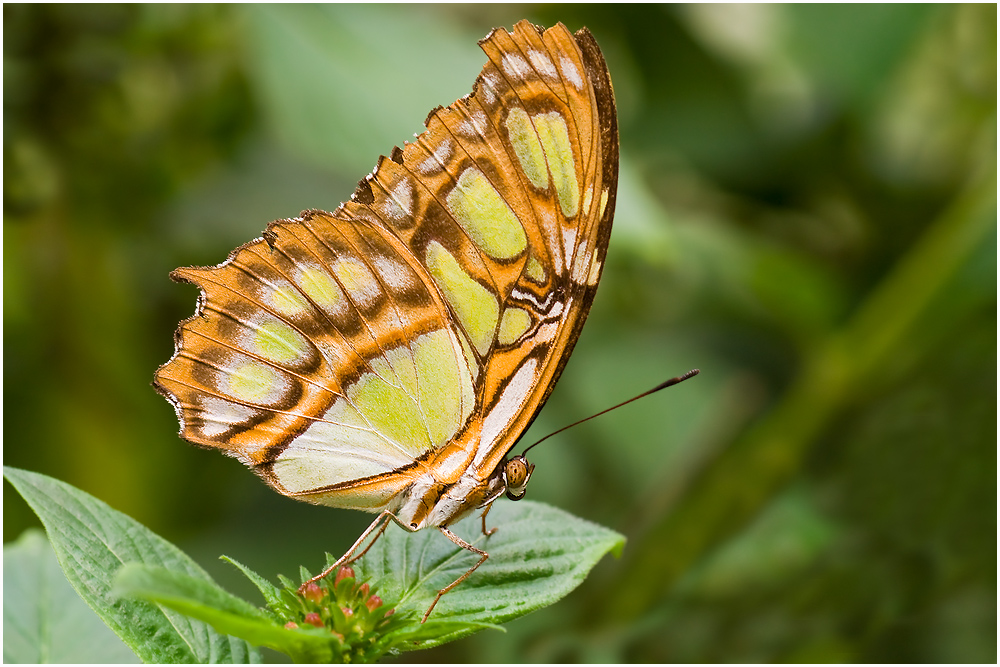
pixel 418 329
pixel 552 105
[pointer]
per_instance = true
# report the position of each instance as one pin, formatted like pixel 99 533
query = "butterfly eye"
pixel 516 474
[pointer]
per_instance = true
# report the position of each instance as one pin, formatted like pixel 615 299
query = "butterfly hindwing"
pixel 320 355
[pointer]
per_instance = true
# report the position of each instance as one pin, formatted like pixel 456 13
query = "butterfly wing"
pixel 550 97
pixel 320 355
pixel 422 325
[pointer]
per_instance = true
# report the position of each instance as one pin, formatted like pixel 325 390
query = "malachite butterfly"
pixel 387 356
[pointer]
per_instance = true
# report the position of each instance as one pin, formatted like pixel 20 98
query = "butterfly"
pixel 386 357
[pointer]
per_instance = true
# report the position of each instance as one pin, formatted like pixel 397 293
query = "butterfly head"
pixel 516 473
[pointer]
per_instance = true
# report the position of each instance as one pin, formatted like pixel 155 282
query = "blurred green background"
pixel 806 212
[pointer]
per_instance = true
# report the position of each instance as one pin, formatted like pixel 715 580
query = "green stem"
pixel 735 486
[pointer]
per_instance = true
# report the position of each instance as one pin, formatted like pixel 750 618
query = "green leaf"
pixel 91 542
pixel 226 613
pixel 537 556
pixel 44 620
pixel 234 616
pixel 270 592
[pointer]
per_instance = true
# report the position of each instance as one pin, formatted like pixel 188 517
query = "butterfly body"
pixel 387 356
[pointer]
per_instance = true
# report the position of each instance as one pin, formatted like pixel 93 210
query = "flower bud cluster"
pixel 350 611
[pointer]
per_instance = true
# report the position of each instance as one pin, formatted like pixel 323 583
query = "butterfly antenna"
pixel 663 385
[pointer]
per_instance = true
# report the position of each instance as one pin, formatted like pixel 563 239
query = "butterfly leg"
pixel 492 530
pixel 348 557
pixel 465 545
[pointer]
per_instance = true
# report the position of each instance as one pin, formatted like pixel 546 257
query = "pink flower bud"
pixel 312 618
pixel 314 593
pixel 343 573
pixel 291 625
pixel 373 603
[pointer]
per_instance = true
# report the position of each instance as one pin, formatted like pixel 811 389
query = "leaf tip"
pixel 618 548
